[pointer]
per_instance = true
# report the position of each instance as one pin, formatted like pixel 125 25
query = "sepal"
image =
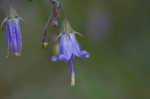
pixel 20 18
pixel 66 28
pixel 3 22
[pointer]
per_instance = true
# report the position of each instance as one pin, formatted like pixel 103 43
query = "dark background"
pixel 116 34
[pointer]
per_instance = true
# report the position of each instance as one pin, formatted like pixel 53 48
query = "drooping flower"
pixel 14 34
pixel 69 48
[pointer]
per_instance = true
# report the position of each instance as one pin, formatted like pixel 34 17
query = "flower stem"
pixel 10 3
pixel 49 21
pixel 64 14
pixel 72 72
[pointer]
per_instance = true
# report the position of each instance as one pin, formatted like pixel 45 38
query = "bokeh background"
pixel 116 33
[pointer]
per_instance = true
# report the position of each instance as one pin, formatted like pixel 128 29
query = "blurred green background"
pixel 117 35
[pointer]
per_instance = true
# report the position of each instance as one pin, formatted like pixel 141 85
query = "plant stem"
pixel 10 3
pixel 64 14
pixel 49 20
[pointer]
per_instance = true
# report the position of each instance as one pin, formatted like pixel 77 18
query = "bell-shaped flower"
pixel 69 48
pixel 14 34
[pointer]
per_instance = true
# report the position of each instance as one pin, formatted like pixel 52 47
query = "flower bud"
pixel 45 42
pixel 54 22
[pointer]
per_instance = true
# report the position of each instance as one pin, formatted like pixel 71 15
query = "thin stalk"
pixel 64 14
pixel 10 3
pixel 49 20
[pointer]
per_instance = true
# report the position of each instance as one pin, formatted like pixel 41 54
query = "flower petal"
pixel 60 58
pixel 8 39
pixel 84 54
pixel 75 45
pixel 77 49
pixel 14 35
pixel 66 46
pixel 54 59
pixel 18 35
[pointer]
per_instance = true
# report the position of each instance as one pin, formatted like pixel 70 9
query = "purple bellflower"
pixel 14 36
pixel 68 49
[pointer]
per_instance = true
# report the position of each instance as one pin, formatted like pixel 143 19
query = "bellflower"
pixel 68 49
pixel 14 34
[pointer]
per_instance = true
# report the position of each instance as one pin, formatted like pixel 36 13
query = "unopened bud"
pixel 54 22
pixel 45 42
